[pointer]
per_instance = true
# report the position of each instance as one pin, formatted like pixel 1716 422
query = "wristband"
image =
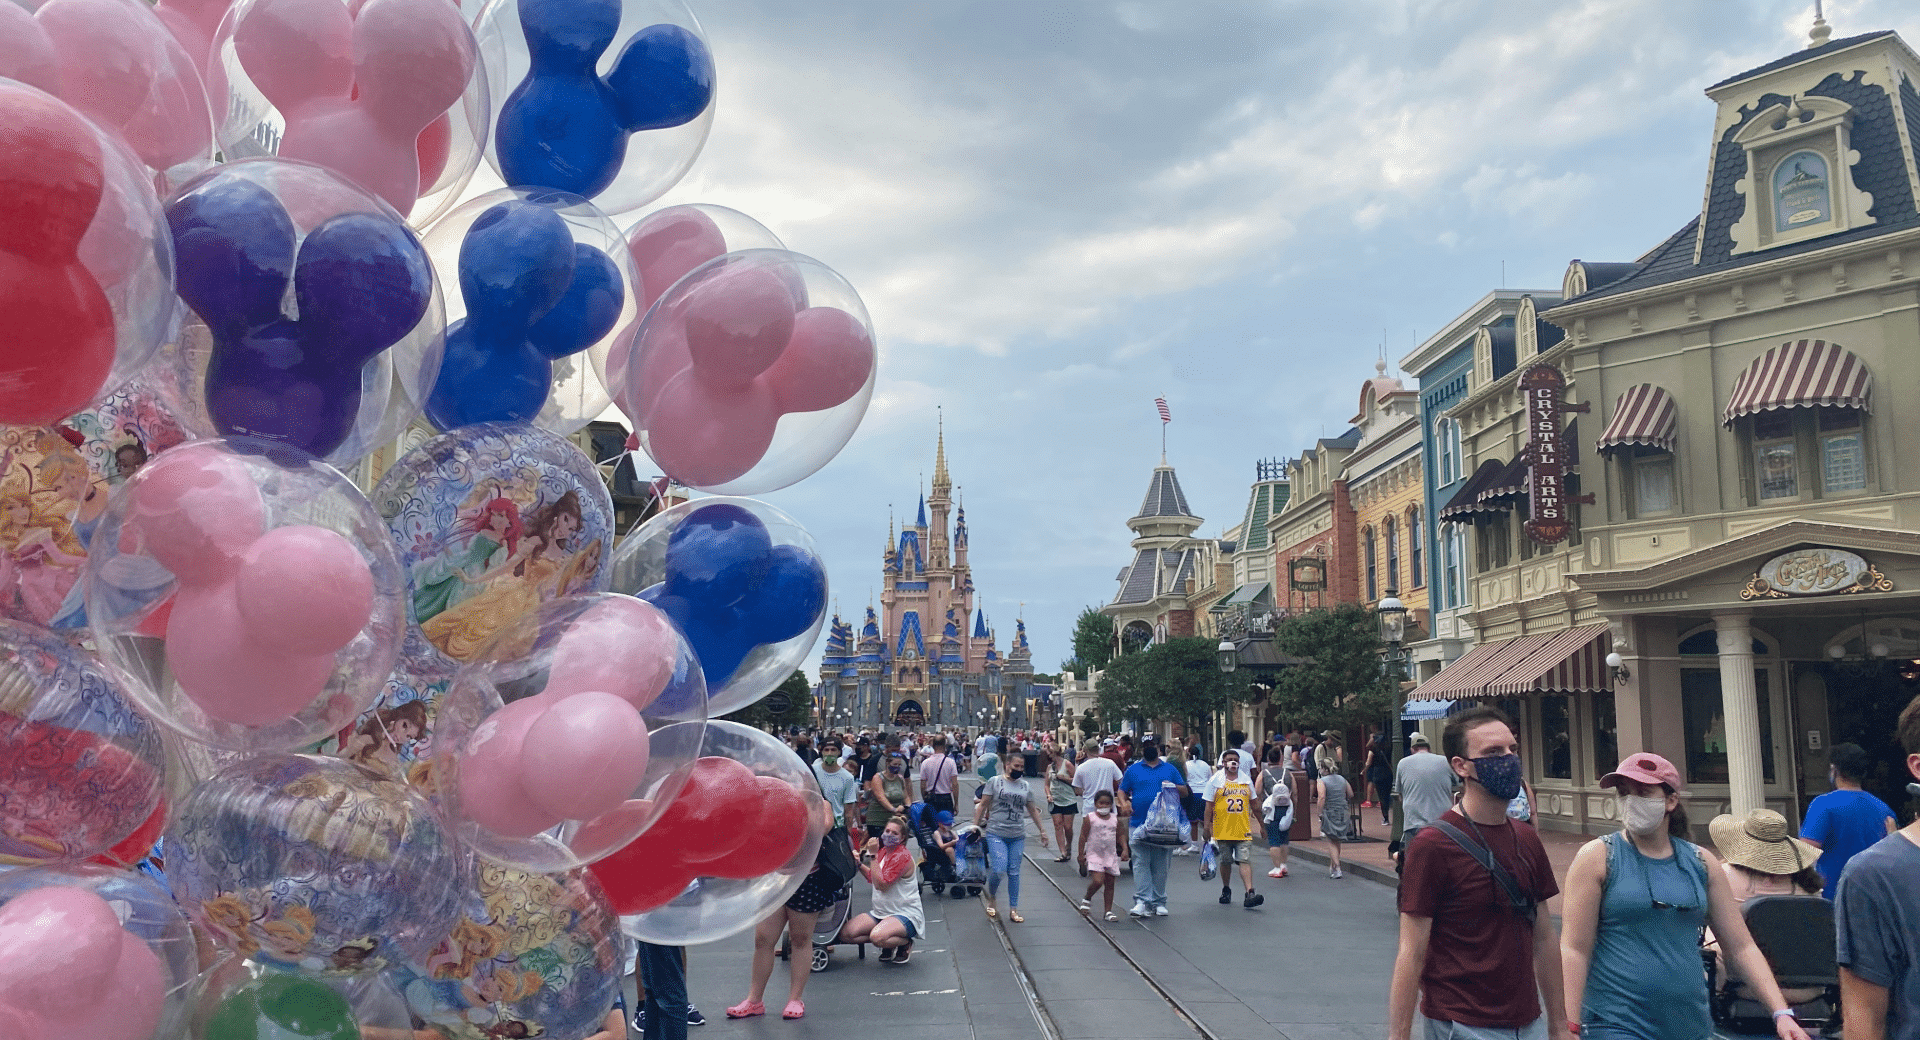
pixel 1785 1012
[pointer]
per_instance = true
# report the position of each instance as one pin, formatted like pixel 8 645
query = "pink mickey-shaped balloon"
pixel 304 590
pixel 491 794
pixel 68 968
pixel 826 362
pixel 737 323
pixel 670 243
pixel 584 755
pixel 196 513
pixel 120 66
pixel 620 645
pixel 26 52
pixel 192 24
pixel 706 437
pixel 230 676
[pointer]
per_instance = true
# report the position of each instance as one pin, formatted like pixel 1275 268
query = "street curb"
pixel 1363 870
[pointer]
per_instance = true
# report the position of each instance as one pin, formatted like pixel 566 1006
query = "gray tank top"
pixel 1007 815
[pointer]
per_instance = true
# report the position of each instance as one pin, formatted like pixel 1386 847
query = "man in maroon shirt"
pixel 1478 965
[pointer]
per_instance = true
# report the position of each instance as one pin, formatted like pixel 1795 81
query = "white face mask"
pixel 1642 814
pixel 1105 810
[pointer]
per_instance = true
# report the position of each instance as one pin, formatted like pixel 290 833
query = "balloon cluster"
pixel 332 697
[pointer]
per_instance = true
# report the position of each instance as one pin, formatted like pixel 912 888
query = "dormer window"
pixel 1798 183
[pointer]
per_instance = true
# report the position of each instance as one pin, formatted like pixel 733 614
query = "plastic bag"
pixel 1166 820
pixel 1209 862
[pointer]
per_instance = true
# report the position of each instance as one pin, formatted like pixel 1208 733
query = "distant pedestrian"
pixel 1636 902
pixel 1378 771
pixel 1063 802
pixel 1276 808
pixel 1092 774
pixel 837 784
pixel 1229 825
pixel 1476 957
pixel 1141 784
pixel 1877 921
pixel 1845 821
pixel 1103 847
pixel 986 764
pixel 1199 773
pixel 803 746
pixel 1336 816
pixel 897 918
pixel 663 1013
pixel 937 774
pixel 1002 812
pixel 886 794
pixel 1423 781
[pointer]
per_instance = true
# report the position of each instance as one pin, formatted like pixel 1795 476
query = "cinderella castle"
pixel 928 656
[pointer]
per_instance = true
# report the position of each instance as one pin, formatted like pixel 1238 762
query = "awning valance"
pixel 1509 484
pixel 1801 374
pixel 1573 661
pixel 1644 415
pixel 1465 503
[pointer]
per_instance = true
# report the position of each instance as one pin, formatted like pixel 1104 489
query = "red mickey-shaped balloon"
pixel 775 819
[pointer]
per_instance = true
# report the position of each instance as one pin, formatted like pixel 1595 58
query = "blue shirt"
pixel 1845 823
pixel 1141 783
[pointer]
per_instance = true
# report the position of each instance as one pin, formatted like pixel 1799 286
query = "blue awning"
pixel 1426 710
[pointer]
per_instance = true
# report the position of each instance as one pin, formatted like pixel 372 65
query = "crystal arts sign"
pixel 1548 506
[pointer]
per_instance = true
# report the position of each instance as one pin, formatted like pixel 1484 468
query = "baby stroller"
pixel 826 931
pixel 936 864
pixel 971 873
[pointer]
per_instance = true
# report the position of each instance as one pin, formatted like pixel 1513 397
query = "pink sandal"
pixel 795 1009
pixel 747 1009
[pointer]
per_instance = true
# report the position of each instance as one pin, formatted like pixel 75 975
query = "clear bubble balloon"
pixel 735 845
pixel 81 769
pixel 327 324
pixel 610 100
pixel 533 954
pixel 549 752
pixel 308 863
pixel 252 594
pixel 540 286
pixel 388 93
pixel 743 582
pixel 88 293
pixel 751 373
pixel 89 951
pixel 244 1000
pixel 491 521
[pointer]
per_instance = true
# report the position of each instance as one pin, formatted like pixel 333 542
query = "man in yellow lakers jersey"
pixel 1229 797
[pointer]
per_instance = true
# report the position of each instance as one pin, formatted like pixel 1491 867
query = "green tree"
pixel 799 711
pixel 1092 642
pixel 1179 679
pixel 1339 682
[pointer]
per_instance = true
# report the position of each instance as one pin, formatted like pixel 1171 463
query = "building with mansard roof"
pixel 1170 566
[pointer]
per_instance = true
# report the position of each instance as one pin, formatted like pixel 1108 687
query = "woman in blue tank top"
pixel 1630 928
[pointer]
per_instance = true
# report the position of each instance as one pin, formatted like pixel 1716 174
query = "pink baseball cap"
pixel 1647 768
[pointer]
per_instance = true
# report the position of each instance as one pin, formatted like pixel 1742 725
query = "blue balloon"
pixel 565 126
pixel 533 294
pixel 361 282
pixel 716 556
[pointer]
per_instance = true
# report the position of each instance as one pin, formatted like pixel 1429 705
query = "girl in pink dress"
pixel 1103 847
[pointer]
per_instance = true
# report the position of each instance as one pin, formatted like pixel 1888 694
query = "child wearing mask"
pixel 1103 847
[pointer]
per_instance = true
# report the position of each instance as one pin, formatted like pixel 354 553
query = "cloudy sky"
pixel 1058 211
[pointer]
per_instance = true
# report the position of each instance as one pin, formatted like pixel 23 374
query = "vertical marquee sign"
pixel 1548 517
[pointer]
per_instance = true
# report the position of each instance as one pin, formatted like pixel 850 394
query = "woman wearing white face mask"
pixel 1630 928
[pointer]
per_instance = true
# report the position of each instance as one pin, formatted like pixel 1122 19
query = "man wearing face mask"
pixel 1229 822
pixel 1139 786
pixel 837 784
pixel 1475 955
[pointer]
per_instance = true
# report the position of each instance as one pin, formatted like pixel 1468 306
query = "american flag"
pixel 1166 416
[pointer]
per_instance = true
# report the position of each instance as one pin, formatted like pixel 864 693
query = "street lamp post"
pixel 1393 632
pixel 1228 656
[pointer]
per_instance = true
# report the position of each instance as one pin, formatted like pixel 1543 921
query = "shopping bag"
pixel 1166 820
pixel 1209 862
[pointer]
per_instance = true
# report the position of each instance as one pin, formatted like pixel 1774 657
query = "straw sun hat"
pixel 1761 842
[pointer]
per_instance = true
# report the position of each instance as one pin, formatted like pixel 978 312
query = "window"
pixel 1556 740
pixel 1706 726
pixel 1776 457
pixel 1830 441
pixel 1450 556
pixel 1449 470
pixel 1393 553
pixel 1367 547
pixel 1648 474
pixel 1492 542
pixel 1606 735
pixel 1416 544
pixel 1843 459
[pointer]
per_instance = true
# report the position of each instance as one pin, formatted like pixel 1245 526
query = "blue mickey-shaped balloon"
pixel 565 126
pixel 533 294
pixel 361 283
pixel 730 589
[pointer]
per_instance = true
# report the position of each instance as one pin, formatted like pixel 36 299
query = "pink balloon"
pixel 706 437
pixel 304 590
pixel 26 52
pixel 667 245
pixel 666 357
pixel 826 362
pixel 17 1022
pixel 196 512
pixel 379 79
pixel 120 67
pixel 135 996
pixel 621 646
pixel 491 794
pixel 584 755
pixel 230 676
pixel 192 24
pixel 69 969
pixel 737 323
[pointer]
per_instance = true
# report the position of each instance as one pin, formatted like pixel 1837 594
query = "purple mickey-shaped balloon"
pixel 288 367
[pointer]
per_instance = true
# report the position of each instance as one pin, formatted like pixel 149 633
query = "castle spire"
pixel 941 481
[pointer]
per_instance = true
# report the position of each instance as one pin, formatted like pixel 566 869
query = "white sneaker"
pixel 1276 872
pixel 1159 911
pixel 1335 873
pixel 1184 850
pixel 1139 910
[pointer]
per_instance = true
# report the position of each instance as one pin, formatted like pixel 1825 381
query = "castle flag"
pixel 1166 416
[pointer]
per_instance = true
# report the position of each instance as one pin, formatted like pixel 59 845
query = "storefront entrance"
pixel 1863 703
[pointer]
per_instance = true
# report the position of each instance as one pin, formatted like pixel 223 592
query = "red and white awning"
pixel 1644 415
pixel 1801 374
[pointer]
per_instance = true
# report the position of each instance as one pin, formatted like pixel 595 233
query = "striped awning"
pixel 1509 484
pixel 1465 502
pixel 1446 684
pixel 1644 415
pixel 1573 661
pixel 1801 374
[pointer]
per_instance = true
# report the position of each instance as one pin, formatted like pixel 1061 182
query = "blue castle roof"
pixel 910 629
pixel 980 624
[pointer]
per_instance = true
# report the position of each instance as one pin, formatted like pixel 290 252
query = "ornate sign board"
pixel 1548 518
pixel 1815 572
pixel 1307 574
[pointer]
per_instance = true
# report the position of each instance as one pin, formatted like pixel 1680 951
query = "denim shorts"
pixel 1278 835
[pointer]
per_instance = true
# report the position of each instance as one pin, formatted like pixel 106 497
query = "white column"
pixel 1740 711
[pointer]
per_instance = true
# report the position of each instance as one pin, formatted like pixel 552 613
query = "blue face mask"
pixel 1499 774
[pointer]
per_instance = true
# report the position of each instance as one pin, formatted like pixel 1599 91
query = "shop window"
pixel 1706 725
pixel 1800 449
pixel 1843 457
pixel 1393 552
pixel 1606 734
pixel 1556 739
pixel 1416 543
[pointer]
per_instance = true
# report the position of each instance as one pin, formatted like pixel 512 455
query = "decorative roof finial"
pixel 1821 31
pixel 940 477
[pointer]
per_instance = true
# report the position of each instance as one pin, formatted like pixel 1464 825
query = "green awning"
pixel 1244 594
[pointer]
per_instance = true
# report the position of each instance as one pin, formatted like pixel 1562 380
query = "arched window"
pixel 1416 543
pixel 1393 552
pixel 1367 548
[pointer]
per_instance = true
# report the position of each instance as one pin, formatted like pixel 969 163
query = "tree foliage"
pixel 1179 679
pixel 799 707
pixel 1092 642
pixel 1339 683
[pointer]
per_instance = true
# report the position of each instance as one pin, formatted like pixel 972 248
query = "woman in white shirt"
pixel 1198 773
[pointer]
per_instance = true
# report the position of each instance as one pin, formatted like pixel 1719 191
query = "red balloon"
pixel 59 325
pixel 139 843
pixel 776 825
pixel 706 821
pixel 636 883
